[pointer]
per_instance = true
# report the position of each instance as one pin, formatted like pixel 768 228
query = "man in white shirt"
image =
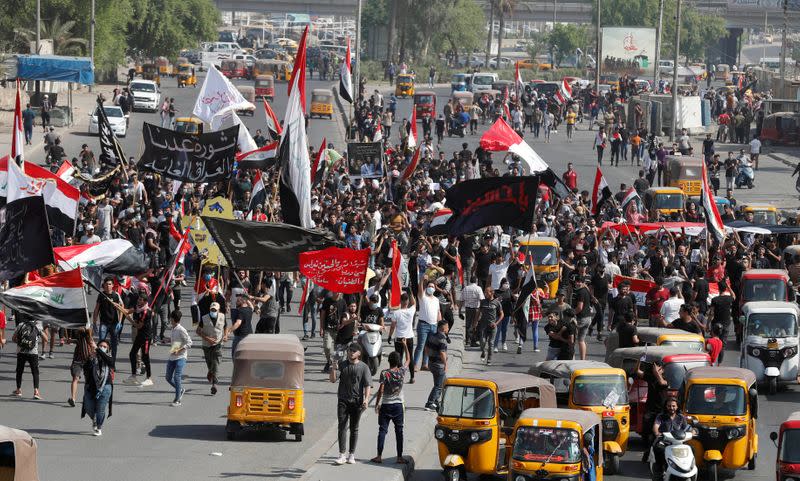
pixel 471 297
pixel 755 151
pixel 429 316
pixel 498 270
pixel 89 237
pixel 403 326
pixel 671 308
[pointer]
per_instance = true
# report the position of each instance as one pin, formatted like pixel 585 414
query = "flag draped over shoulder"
pixel 58 300
pixel 346 76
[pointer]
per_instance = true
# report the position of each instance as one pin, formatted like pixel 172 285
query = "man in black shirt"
pixel 489 314
pixel 107 312
pixel 483 259
pixel 436 350
pixel 333 307
pixel 553 331
pixel 686 322
pixel 599 285
pixel 241 322
pixel 582 303
pixel 624 302
pixel 355 383
pixel 627 331
pixel 653 374
pixel 720 312
pixel 372 313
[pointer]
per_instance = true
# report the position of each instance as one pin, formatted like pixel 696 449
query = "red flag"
pixel 413 140
pixel 713 220
pixel 412 166
pixel 460 269
pixel 318 159
pixel 336 269
pixel 299 70
pixel 303 298
pixel 394 298
pixel 17 134
pixel 271 116
pixel 173 231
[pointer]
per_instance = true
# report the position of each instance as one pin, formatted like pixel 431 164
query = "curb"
pixel 342 112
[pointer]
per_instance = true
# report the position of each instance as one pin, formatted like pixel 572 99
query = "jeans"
pixel 502 331
pixel 423 331
pixel 95 404
pixel 534 334
pixel 438 381
pixel 235 342
pixel 488 334
pixel 552 353
pixel 309 312
pixel 394 413
pixel 111 334
pixel 285 292
pixel 348 412
pixel 28 133
pixel 174 373
pixel 328 344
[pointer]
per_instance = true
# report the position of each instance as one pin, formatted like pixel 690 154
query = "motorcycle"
pixel 745 176
pixel 679 463
pixel 371 342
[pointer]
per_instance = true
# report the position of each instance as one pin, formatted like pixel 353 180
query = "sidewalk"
pixel 417 433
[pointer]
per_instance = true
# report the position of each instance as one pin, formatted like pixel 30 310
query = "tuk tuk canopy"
pixel 564 369
pixel 700 373
pixel 55 68
pixel 510 381
pixel 24 467
pixel 270 361
pixel 586 419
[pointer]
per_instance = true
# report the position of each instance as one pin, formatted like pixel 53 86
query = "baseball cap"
pixel 214 306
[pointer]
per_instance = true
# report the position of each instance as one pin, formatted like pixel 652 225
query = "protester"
pixel 98 394
pixel 436 349
pixel 178 354
pixel 211 330
pixel 389 401
pixel 26 336
pixel 355 383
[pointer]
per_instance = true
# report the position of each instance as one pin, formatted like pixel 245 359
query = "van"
pixel 483 81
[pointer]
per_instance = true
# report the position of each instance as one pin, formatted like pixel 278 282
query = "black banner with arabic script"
pixel 207 157
pixel 269 247
pixel 505 201
pixel 24 237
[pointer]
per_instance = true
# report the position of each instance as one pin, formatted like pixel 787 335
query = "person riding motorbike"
pixel 745 175
pixel 670 420
pixel 56 153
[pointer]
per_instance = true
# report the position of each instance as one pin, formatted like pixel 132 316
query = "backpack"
pixel 26 336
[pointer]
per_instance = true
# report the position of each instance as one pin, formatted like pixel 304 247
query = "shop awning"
pixel 55 68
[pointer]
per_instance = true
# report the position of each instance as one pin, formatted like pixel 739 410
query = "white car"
pixel 146 95
pixel 116 119
pixel 505 62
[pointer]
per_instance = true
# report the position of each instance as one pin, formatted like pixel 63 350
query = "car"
pixel 116 119
pixel 473 61
pixel 249 60
pixel 146 95
pixel 505 62
pixel 528 63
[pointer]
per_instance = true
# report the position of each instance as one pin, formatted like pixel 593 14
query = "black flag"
pixel 24 237
pixel 110 150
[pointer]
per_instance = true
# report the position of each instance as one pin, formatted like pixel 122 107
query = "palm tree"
pixel 61 34
pixel 489 35
pixel 505 7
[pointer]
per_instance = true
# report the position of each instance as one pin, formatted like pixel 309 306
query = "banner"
pixel 365 159
pixel 190 158
pixel 336 269
pixel 261 246
pixel 110 149
pixel 505 201
pixel 629 50
pixel 24 237
pixel 639 287
pixel 218 96
pixel 58 299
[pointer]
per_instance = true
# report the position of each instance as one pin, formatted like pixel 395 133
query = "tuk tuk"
pixel 150 72
pixel 597 387
pixel 234 69
pixel 770 342
pixel 723 72
pixel 189 125
pixel 17 455
pixel 249 94
pixel 765 285
pixel 722 403
pixel 425 103
pixel 791 254
pixel 463 98
pixel 674 360
pixel 267 385
pixel 545 252
pixel 460 82
pixel 279 69
pixel 164 68
pixel 684 173
pixel 781 128
pixel 787 440
pixel 665 200
pixel 476 419
pixel 265 87
pixel 762 213
pixel 321 103
pixel 548 444
pixel 404 85
pixel 186 75
pixel 490 94
pixel 661 336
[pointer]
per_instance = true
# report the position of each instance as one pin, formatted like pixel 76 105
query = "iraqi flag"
pixel 519 84
pixel 378 136
pixel 318 169
pixel 501 137
pixel 412 166
pixel 713 220
pixel 273 125
pixel 438 225
pixel 260 158
pixel 346 77
pixel 3 179
pixel 115 256
pixel 17 134
pixel 630 196
pixel 259 194
pixel 65 171
pixel 600 193
pixel 413 139
pixel 60 198
pixel 58 300
pixel 295 181
pixel 396 289
pixel 564 93
pixel 639 288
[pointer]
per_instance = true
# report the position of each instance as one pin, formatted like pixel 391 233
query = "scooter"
pixel 746 176
pixel 371 342
pixel 678 457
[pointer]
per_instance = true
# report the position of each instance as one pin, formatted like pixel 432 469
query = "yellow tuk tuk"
pixel 279 69
pixel 267 385
pixel 150 72
pixel 321 103
pixel 545 252
pixel 684 173
pixel 662 336
pixel 760 213
pixel 477 416
pixel 186 75
pixel 17 455
pixel 597 387
pixel 249 94
pixel 404 85
pixel 549 444
pixel 723 72
pixel 164 67
pixel 665 200
pixel 189 125
pixel 722 404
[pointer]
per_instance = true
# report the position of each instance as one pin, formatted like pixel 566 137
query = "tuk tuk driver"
pixel 657 387
pixel 668 421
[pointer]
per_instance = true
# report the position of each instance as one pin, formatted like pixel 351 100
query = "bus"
pixel 774 63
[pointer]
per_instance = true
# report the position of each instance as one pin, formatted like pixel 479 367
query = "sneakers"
pixel 536 349
pixel 351 458
pixel 175 404
pixel 496 350
pixel 71 402
pixel 213 390
pixel 49 355
pixel 519 349
pixel 341 459
pixel 147 382
pixel 483 354
pixel 488 362
pixel 505 347
pixel 98 432
pixel 131 380
pixel 430 407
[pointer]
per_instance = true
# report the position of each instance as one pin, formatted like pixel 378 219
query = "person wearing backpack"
pixel 27 338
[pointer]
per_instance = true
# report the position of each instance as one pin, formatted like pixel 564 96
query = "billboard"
pixel 763 5
pixel 629 50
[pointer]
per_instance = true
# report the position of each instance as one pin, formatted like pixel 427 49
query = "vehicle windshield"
pixel 114 112
pixel 764 290
pixel 764 217
pixel 404 79
pixel 482 80
pixel 457 78
pixel 669 201
pixel 184 69
pixel 423 99
pixel 690 172
pixel 263 83
pixel 323 99
pixel 543 254
pixel 772 324
pixel 186 127
pixel 8 460
pixel 554 445
pixel 142 87
pixel 607 390
pixel 675 372
pixel 698 346
pixel 467 402
pixel 267 370
pixel 716 399
pixel 790 447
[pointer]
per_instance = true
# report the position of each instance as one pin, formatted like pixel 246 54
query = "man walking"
pixel 27 338
pixel 489 314
pixel 28 117
pixel 355 383
pixel 429 315
pixel 211 330
pixel 178 353
pixel 436 349
pixel 389 401
pixel 107 312
pixel 333 307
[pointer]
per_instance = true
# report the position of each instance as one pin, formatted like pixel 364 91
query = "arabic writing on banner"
pixel 336 269
pixel 191 158
pixel 639 287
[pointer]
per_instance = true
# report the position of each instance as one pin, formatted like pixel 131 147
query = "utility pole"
pixel 598 61
pixel 38 26
pixel 674 86
pixel 764 50
pixel 555 6
pixel 657 69
pixel 783 48
pixel 91 40
pixel 357 72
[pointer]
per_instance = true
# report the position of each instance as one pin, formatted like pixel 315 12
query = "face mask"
pixel 504 286
pixel 207 277
pixel 104 349
pixel 375 305
pixel 429 291
pixel 212 315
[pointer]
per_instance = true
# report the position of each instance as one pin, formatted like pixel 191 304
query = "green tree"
pixel 538 44
pixel 164 27
pixel 463 28
pixel 61 33
pixel 564 39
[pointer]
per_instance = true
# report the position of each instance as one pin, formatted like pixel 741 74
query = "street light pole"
pixel 783 48
pixel 38 26
pixel 674 86
pixel 656 70
pixel 598 61
pixel 91 40
pixel 357 72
